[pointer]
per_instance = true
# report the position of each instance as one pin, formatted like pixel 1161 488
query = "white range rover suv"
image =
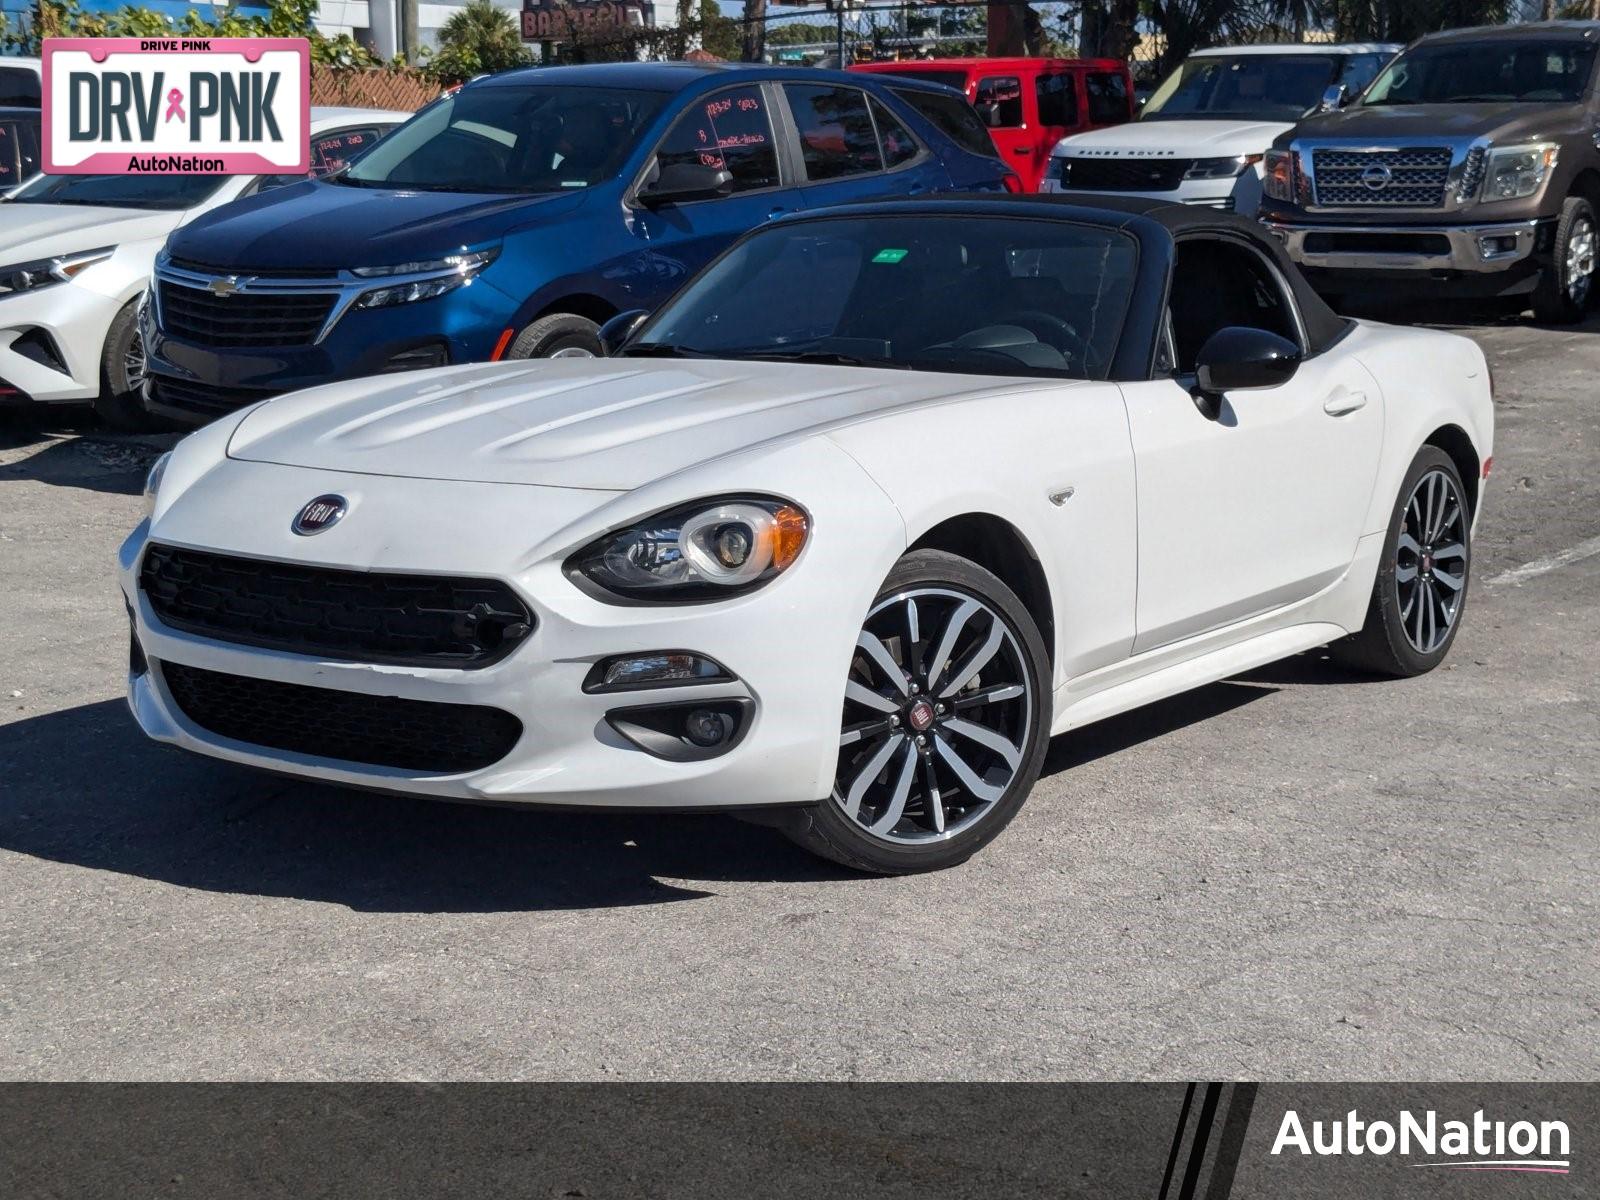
pixel 1201 136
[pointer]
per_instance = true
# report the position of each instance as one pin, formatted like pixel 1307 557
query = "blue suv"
pixel 513 218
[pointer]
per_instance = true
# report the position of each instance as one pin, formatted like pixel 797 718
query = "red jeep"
pixel 1030 104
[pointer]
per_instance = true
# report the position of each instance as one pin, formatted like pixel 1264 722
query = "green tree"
pixel 477 40
pixel 719 34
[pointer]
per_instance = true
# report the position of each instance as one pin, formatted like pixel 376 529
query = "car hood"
pixel 1380 122
pixel 34 231
pixel 1175 139
pixel 327 226
pixel 612 424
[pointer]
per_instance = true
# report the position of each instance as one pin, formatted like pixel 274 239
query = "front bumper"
pixel 51 341
pixel 787 646
pixel 1497 257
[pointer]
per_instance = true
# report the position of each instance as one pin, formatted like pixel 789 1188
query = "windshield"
pixel 120 191
pixel 1515 71
pixel 1266 87
pixel 972 295
pixel 510 139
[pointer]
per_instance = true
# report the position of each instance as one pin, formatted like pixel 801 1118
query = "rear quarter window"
pixel 1108 97
pixel 19 86
pixel 953 117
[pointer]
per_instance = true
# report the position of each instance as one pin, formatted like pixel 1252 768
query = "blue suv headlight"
pixel 425 279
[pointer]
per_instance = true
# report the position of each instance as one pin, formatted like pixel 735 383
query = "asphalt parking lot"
pixel 1292 875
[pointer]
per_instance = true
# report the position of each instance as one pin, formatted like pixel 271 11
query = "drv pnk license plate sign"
pixel 185 106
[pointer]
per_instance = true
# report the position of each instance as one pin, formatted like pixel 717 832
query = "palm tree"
pixel 484 34
pixel 755 31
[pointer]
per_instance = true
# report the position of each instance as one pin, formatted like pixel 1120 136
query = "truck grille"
pixel 1123 174
pixel 243 319
pixel 379 731
pixel 359 616
pixel 1403 178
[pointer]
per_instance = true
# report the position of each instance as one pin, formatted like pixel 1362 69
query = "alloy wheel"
pixel 1580 264
pixel 1431 561
pixel 938 716
pixel 572 352
pixel 133 362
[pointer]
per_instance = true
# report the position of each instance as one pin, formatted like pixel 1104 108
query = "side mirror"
pixel 677 182
pixel 1335 98
pixel 1240 359
pixel 614 334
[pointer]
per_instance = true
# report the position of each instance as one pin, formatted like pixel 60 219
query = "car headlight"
pixel 26 277
pixel 1221 168
pixel 1514 172
pixel 698 552
pixel 152 482
pixel 440 275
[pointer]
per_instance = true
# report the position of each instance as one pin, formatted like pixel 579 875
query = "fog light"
pixel 663 668
pixel 706 728
pixel 1498 245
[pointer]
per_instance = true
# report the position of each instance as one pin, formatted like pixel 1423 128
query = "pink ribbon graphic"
pixel 175 105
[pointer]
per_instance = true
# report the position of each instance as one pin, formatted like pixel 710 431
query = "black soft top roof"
pixel 1151 220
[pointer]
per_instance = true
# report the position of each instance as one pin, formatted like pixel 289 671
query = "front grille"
pixel 379 731
pixel 244 319
pixel 206 399
pixel 1409 178
pixel 359 616
pixel 1435 245
pixel 1124 174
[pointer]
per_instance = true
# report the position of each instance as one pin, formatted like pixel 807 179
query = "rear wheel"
pixel 120 404
pixel 945 723
pixel 1564 289
pixel 560 335
pixel 1421 589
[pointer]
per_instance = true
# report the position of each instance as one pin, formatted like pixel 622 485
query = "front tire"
pixel 120 404
pixel 560 335
pixel 945 722
pixel 1421 590
pixel 1562 295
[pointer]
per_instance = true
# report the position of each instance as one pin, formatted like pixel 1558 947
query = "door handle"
pixel 1342 403
pixel 1021 151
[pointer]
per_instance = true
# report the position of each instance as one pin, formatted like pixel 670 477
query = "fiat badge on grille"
pixel 322 513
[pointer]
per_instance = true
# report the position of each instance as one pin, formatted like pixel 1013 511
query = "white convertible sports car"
pixel 76 252
pixel 876 504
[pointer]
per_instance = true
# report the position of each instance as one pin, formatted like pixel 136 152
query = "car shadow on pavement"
pixel 75 450
pixel 83 786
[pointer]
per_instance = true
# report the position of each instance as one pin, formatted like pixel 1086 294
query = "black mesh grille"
pixel 380 731
pixel 1402 178
pixel 244 318
pixel 1124 174
pixel 203 398
pixel 362 616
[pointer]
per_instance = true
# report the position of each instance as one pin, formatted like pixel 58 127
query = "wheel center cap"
pixel 919 716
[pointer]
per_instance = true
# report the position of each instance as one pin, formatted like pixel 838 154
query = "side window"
pixel 1108 98
pixel 836 135
pixel 19 87
pixel 898 144
pixel 19 152
pixel 999 101
pixel 1360 70
pixel 1058 100
pixel 731 130
pixel 1218 283
pixel 953 117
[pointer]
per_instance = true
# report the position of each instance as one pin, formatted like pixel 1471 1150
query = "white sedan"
pixel 880 501
pixel 76 252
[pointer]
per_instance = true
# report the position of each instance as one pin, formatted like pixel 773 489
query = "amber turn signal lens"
pixel 789 530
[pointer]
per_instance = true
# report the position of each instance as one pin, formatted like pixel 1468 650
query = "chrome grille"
pixel 1407 177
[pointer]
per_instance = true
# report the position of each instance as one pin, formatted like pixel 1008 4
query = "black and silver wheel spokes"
pixel 133 362
pixel 1580 260
pixel 1431 562
pixel 937 716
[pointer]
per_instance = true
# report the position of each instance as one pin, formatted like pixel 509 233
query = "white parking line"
pixel 1539 566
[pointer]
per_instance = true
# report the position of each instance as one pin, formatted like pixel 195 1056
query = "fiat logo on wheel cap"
pixel 322 513
pixel 919 716
pixel 1375 178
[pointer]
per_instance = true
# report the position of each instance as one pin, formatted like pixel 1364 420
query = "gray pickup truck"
pixel 1470 167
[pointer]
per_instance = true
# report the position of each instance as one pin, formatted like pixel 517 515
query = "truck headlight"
pixel 1277 179
pixel 1221 168
pixel 1515 172
pixel 26 277
pixel 699 552
pixel 438 276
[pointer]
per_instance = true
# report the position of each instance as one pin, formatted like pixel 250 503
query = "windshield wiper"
pixel 663 350
pixel 825 357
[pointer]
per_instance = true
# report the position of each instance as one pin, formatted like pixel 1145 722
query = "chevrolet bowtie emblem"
pixel 224 287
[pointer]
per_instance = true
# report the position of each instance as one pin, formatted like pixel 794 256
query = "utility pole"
pixel 838 31
pixel 410 39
